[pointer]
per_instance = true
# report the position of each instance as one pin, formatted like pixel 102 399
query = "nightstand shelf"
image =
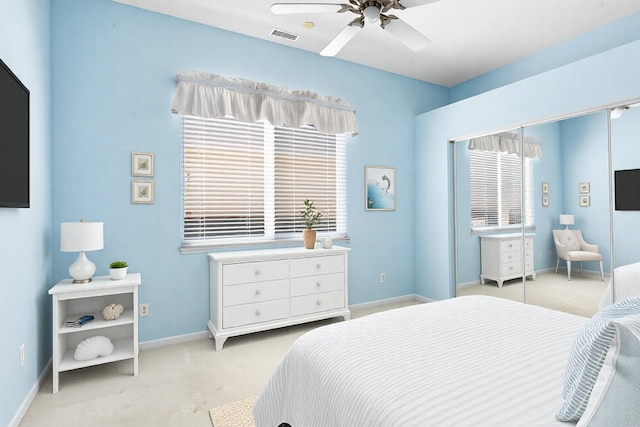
pixel 73 300
pixel 122 350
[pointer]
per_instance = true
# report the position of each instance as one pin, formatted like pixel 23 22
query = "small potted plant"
pixel 118 270
pixel 311 217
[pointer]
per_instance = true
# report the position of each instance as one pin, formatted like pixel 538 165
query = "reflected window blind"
pixel 496 196
pixel 248 181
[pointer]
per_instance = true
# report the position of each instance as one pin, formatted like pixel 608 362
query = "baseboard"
pixel 26 403
pixel 178 339
pixel 411 297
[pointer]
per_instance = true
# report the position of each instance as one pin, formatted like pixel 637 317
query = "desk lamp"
pixel 81 237
pixel 566 220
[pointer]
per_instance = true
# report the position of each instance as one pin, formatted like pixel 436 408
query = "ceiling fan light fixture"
pixel 371 13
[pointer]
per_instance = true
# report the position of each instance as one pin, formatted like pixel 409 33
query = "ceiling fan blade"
pixel 287 8
pixel 408 35
pixel 340 40
pixel 413 3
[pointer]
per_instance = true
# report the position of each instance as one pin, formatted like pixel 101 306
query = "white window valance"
pixel 507 142
pixel 207 95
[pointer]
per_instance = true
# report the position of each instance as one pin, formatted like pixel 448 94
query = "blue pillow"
pixel 587 357
pixel 616 393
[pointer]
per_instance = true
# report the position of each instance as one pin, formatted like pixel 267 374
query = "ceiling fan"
pixel 371 11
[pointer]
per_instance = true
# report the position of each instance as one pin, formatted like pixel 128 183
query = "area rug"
pixel 234 414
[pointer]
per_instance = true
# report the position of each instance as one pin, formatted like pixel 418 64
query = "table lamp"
pixel 81 237
pixel 566 220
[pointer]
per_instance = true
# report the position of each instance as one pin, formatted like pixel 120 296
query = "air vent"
pixel 279 33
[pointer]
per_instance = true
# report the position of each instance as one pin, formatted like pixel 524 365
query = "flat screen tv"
pixel 14 140
pixel 627 189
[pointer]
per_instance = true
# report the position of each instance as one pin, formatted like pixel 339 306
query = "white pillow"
pixel 587 357
pixel 615 397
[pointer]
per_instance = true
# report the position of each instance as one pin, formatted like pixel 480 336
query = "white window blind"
pixel 496 196
pixel 246 182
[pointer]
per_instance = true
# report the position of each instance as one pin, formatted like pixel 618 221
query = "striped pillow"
pixel 616 393
pixel 587 356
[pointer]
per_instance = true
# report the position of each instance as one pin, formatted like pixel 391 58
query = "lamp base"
pixel 82 270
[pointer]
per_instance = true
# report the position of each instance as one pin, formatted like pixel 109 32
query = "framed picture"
pixel 379 188
pixel 142 191
pixel 545 201
pixel 585 201
pixel 545 188
pixel 141 164
pixel 584 187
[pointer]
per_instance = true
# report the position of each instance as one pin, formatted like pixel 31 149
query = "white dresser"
pixel 502 256
pixel 253 291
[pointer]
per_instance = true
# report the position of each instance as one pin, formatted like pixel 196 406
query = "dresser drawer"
pixel 511 256
pixel 315 284
pixel 255 292
pixel 247 314
pixel 248 272
pixel 317 265
pixel 308 304
pixel 516 267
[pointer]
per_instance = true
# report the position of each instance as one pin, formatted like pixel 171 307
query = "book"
pixel 79 321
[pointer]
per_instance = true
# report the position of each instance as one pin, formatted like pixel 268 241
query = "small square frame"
pixel 379 188
pixel 584 188
pixel 584 201
pixel 142 192
pixel 141 164
pixel 545 188
pixel 545 201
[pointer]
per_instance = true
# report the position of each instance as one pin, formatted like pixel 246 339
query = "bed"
pixel 468 361
pixel 627 284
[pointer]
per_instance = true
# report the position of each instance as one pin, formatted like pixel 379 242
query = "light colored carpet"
pixel 234 414
pixel 177 384
pixel 579 296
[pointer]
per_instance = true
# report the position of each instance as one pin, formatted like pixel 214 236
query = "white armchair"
pixel 570 246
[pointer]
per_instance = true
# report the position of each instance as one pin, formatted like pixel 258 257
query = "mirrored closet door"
pixel 549 180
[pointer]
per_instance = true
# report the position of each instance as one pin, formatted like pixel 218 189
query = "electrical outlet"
pixel 22 355
pixel 383 278
pixel 144 310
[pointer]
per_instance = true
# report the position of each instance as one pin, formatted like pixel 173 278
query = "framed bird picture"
pixel 380 188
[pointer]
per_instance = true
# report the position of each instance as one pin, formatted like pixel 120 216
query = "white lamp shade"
pixel 81 236
pixel 566 219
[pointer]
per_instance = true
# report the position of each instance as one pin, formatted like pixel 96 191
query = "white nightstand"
pixel 72 300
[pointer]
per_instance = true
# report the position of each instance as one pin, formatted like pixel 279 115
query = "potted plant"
pixel 311 217
pixel 118 270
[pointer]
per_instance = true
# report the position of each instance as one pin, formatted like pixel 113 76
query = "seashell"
pixel 92 347
pixel 112 311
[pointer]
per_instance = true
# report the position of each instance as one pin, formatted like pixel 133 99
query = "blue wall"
pixel 25 234
pixel 113 83
pixel 600 80
pixel 621 32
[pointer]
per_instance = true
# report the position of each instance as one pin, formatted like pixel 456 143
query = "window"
pixel 496 195
pixel 246 182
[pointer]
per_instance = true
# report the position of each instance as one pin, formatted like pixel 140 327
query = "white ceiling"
pixel 468 37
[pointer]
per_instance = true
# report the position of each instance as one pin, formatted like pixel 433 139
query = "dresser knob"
pixel 318 284
pixel 257 272
pixel 319 302
pixel 257 291
pixel 318 266
pixel 257 312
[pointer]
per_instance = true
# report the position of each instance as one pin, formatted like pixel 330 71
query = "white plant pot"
pixel 118 273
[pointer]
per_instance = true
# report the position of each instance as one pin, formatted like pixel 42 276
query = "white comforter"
pixel 627 284
pixel 469 361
